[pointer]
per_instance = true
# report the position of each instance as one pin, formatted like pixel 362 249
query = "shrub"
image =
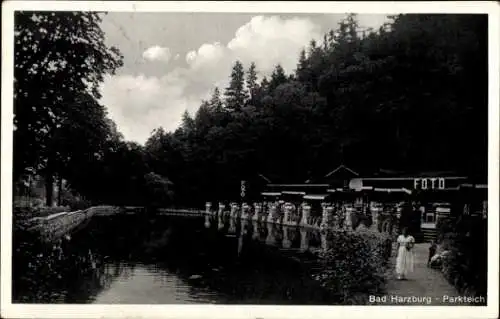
pixel 355 265
pixel 20 201
pixel 465 266
pixel 75 202
pixel 39 268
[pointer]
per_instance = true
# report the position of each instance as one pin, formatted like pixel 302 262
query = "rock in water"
pixel 194 277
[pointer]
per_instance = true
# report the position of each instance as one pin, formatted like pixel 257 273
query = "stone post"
pixel 257 211
pixel 347 217
pixel 286 213
pixel 222 207
pixel 208 208
pixel 207 221
pixel 271 213
pixel 306 211
pixel 324 242
pixel 234 208
pixel 324 216
pixel 244 211
pixel 375 213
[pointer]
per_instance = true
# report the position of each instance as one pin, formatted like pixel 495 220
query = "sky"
pixel 174 60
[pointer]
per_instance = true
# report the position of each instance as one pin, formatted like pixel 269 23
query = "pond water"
pixel 171 260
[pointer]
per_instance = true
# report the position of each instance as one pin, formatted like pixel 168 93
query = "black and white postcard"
pixel 227 159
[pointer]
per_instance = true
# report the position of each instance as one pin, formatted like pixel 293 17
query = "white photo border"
pixel 9 310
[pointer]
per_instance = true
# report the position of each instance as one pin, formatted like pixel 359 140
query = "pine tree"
pixel 264 84
pixel 348 31
pixel 278 77
pixel 236 94
pixel 252 80
pixel 203 117
pixel 313 47
pixel 325 42
pixel 302 67
pixel 331 39
pixel 215 100
pixel 188 124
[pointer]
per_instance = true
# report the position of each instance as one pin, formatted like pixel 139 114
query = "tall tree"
pixel 58 57
pixel 215 100
pixel 188 125
pixel 278 77
pixel 302 67
pixel 251 81
pixel 236 94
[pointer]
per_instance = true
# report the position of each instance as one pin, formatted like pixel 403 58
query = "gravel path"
pixel 425 286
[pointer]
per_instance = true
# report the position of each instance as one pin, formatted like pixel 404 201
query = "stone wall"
pixel 57 225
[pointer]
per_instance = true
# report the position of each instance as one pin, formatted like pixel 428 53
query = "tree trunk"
pixel 59 191
pixel 49 188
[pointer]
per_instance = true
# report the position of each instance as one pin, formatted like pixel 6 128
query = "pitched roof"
pixel 264 178
pixel 340 168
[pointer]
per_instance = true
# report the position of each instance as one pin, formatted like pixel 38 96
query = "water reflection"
pixel 163 287
pixel 304 240
pixel 221 224
pixel 232 226
pixel 287 243
pixel 207 221
pixel 177 260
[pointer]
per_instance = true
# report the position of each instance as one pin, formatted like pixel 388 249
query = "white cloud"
pixel 207 54
pixel 272 40
pixel 157 53
pixel 139 104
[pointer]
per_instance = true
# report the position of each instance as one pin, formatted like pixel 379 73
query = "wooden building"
pixel 431 195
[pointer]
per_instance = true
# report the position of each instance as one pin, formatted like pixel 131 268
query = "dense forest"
pixel 411 96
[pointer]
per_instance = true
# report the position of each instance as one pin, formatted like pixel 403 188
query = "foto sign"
pixel 429 183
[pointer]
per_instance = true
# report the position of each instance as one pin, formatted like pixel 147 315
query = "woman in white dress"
pixel 404 261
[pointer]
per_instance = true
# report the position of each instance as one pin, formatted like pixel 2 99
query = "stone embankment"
pixel 57 225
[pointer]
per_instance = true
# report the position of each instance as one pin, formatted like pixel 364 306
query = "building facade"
pixel 382 198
